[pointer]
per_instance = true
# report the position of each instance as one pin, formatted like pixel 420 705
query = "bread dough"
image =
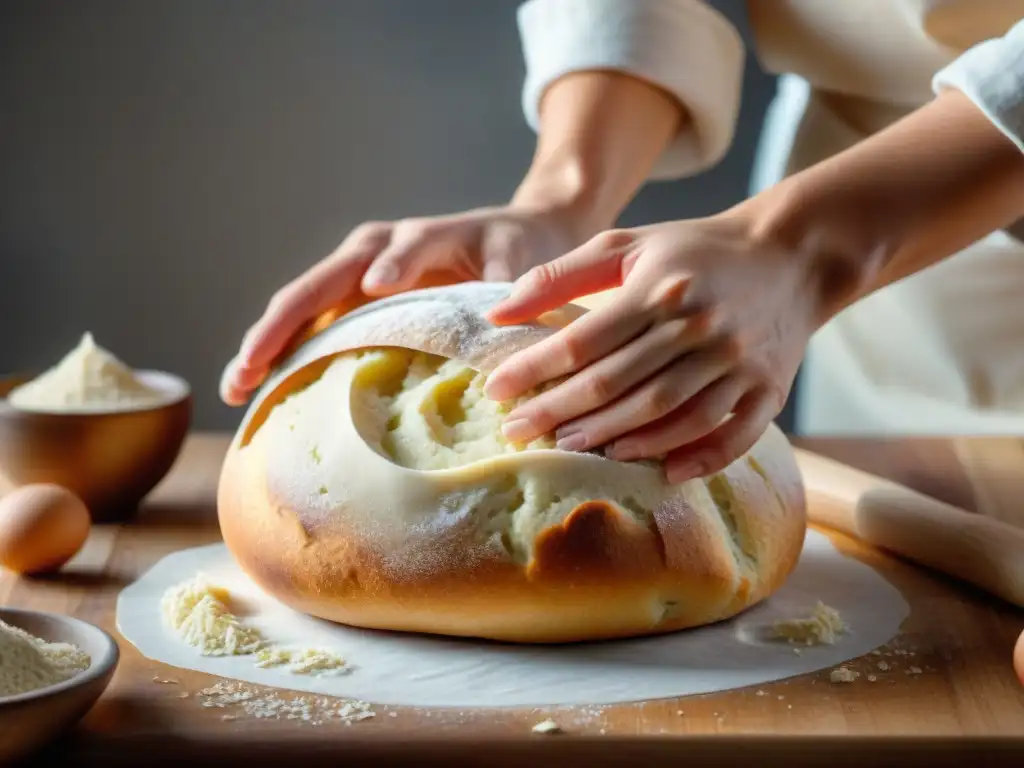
pixel 372 486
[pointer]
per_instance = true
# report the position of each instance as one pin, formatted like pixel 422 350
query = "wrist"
pixel 897 202
pixel 838 243
pixel 600 136
pixel 565 188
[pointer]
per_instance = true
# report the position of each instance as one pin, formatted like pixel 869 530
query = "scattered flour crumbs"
pixel 315 710
pixel 843 675
pixel 548 726
pixel 198 612
pixel 28 663
pixel 822 627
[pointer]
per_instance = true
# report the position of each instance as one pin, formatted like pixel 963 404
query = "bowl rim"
pixel 98 667
pixel 174 390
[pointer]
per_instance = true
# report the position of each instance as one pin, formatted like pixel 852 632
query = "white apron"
pixel 941 352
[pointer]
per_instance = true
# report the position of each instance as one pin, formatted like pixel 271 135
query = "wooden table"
pixel 965 704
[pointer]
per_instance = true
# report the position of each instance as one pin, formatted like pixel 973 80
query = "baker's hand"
pixel 384 258
pixel 689 361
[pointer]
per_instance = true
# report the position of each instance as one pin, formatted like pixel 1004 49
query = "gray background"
pixel 166 165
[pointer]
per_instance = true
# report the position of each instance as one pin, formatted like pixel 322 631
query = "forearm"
pixel 600 134
pixel 898 202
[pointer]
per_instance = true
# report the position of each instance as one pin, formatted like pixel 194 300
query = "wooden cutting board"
pixel 944 689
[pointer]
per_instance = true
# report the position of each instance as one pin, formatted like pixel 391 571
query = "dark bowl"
pixel 111 459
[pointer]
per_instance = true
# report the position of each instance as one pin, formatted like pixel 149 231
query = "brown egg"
pixel 1018 657
pixel 42 526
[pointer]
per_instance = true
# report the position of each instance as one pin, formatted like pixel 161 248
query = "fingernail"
pixel 384 274
pixel 495 388
pixel 517 430
pixel 575 442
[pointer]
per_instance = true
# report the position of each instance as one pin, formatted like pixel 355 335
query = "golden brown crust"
pixel 600 572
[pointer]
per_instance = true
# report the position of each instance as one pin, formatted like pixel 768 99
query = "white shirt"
pixel 892 51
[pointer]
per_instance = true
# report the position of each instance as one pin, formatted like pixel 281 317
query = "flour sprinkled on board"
pixel 314 710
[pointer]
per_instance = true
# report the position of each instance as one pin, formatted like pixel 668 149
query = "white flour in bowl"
pixel 87 378
pixel 28 663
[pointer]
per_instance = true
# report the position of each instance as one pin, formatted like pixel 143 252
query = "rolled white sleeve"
pixel 991 74
pixel 683 46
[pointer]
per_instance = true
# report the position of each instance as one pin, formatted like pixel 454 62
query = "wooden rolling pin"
pixel 985 552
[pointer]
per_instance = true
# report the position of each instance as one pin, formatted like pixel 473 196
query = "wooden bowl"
pixel 110 458
pixel 30 720
pixel 1018 658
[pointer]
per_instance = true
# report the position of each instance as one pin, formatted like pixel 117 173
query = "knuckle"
pixel 573 351
pixel 775 396
pixel 734 347
pixel 544 419
pixel 612 239
pixel 306 291
pixel 671 291
pixel 370 230
pixel 436 228
pixel 281 298
pixel 410 228
pixel 662 399
pixel 542 276
pixel 598 389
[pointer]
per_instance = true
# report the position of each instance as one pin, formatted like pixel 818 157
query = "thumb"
pixel 594 266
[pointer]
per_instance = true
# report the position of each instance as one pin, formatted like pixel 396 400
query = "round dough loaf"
pixel 369 484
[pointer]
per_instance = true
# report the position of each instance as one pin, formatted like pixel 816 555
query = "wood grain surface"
pixel 943 692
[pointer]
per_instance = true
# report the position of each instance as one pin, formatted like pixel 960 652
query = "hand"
pixel 689 361
pixel 384 258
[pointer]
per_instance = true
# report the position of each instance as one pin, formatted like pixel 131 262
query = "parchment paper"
pixel 412 670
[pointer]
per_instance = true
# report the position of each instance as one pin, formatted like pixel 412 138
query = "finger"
pixel 326 284
pixel 578 405
pixel 594 266
pixel 230 392
pixel 237 382
pixel 586 339
pixel 401 265
pixel 702 410
pixel 498 270
pixel 502 249
pixel 658 398
pixel 717 450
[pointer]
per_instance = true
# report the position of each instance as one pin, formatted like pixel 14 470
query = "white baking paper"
pixel 414 670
